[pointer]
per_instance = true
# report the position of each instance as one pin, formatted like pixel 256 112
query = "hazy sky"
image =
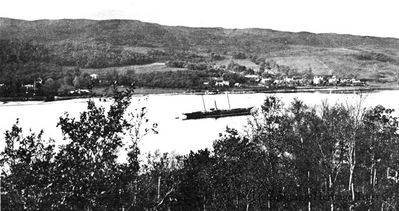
pixel 361 17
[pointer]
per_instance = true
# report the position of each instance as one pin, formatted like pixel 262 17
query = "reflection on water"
pixel 166 110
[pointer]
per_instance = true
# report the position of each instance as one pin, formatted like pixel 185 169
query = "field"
pixel 343 62
pixel 155 67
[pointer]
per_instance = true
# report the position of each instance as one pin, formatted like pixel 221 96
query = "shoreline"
pixel 329 89
pixel 160 91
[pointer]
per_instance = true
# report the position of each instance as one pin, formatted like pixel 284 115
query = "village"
pixel 289 82
pixel 276 76
pixel 264 76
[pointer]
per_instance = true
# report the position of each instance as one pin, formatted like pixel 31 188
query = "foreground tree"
pixel 27 170
pixel 84 174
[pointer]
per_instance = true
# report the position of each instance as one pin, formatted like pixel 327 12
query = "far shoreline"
pixel 143 91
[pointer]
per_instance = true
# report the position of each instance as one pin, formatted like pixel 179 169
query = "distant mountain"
pixel 137 33
pixel 365 56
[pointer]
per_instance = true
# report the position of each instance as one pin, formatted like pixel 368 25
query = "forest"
pixel 292 157
pixel 34 69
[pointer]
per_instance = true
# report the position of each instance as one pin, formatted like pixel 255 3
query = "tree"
pixel 27 171
pixel 51 86
pixel 82 81
pixel 377 155
pixel 309 73
pixel 195 190
pixel 82 174
pixel 76 82
pixel 68 80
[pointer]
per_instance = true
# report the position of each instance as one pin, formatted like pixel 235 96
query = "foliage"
pixel 172 79
pixel 292 157
pixel 83 173
pixel 234 78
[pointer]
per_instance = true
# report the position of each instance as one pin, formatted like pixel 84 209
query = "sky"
pixel 359 17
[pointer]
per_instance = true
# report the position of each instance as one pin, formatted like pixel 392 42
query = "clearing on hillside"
pixel 154 67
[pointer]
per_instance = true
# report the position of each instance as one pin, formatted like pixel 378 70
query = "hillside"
pixel 361 56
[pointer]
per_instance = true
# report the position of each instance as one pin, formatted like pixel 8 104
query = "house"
pixel 216 79
pixel 29 88
pixel 278 82
pixel 93 76
pixel 266 81
pixel 317 80
pixel 345 81
pixel 333 80
pixel 39 81
pixel 253 78
pixel 222 83
pixel 356 82
pixel 80 92
pixel 288 79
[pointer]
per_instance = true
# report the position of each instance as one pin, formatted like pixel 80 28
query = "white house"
pixel 222 83
pixel 317 80
pixel 237 85
pixel 28 86
pixel 288 79
pixel 94 76
pixel 266 81
pixel 253 78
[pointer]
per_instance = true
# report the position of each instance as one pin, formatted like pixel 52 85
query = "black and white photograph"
pixel 180 105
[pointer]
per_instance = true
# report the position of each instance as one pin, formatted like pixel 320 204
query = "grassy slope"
pixel 155 67
pixel 339 61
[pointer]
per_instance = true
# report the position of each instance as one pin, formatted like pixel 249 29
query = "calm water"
pixel 175 134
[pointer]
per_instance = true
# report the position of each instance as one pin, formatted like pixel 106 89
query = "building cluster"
pixel 317 80
pixel 270 80
pixel 32 88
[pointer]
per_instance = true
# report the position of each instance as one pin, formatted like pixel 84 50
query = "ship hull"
pixel 218 113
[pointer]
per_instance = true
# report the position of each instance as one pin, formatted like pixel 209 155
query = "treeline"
pixel 291 158
pixel 296 158
pixel 187 65
pixel 300 158
pixel 192 61
pixel 240 68
pixel 167 79
pixel 171 79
